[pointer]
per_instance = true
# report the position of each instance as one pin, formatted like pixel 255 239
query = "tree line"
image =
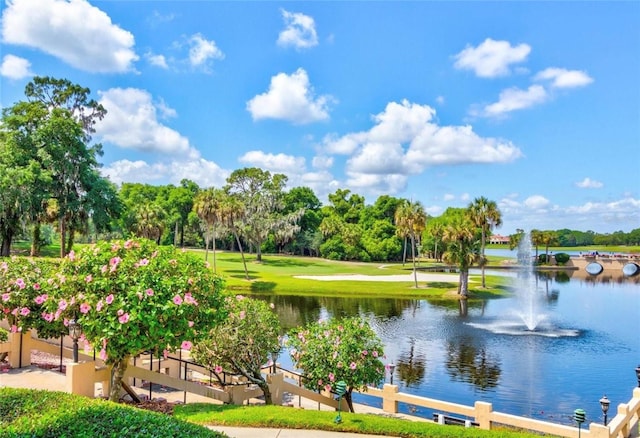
pixel 50 186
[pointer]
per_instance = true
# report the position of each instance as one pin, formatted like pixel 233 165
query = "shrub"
pixel 562 258
pixel 37 413
pixel 542 258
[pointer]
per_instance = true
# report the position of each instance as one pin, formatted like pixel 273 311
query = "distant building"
pixel 499 240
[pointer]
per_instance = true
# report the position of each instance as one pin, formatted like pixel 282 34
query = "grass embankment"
pixel 286 417
pixel 278 274
pixel 35 413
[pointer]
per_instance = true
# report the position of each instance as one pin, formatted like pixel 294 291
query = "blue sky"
pixel 535 105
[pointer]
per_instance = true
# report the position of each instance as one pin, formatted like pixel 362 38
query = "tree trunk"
pixel 258 253
pixel 347 397
pixel 35 240
pixel 62 227
pixel 214 251
pixel 117 374
pixel 70 239
pixel 464 280
pixel 404 252
pixel 244 262
pixel 482 261
pixel 268 400
pixel 413 258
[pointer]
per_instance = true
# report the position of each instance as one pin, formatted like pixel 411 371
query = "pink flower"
pixel 99 305
pixel 25 311
pixel 109 299
pixel 189 299
pixel 217 369
pixel 62 304
pixel 186 345
pixel 190 323
pixel 365 352
pixel 242 314
pixel 320 382
pixel 20 283
pixel 331 377
pixel 85 307
pixel 71 255
pixel 149 292
pixel 115 247
pixel 104 269
pixel 177 300
pixel 103 354
pixel 374 353
pixel 143 262
pixel 36 286
pixel 165 353
pixel 327 387
pixel 239 297
pixel 120 312
pixel 6 297
pixel 339 365
pixel 352 366
pixel 14 329
pixel 124 318
pixel 88 278
pixel 128 244
pixel 47 316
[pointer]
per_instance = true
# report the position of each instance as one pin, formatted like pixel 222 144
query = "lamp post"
pixel 392 368
pixel 75 330
pixel 604 404
pixel 579 416
pixel 638 375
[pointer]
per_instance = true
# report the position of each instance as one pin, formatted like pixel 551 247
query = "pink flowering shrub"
pixel 24 290
pixel 244 343
pixel 338 350
pixel 134 296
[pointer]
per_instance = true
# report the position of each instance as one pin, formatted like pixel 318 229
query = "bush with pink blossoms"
pixel 134 296
pixel 338 350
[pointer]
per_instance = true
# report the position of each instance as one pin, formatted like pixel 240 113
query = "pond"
pixel 590 345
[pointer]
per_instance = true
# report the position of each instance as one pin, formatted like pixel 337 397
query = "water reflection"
pixel 411 365
pixel 471 363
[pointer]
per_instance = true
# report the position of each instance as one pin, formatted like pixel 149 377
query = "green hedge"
pixel 38 413
pixel 562 258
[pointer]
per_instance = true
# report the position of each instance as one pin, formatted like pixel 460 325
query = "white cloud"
pixel 563 78
pixel 448 197
pixel 14 67
pixel 536 202
pixel 157 60
pixel 589 183
pixel 465 197
pixel 404 140
pixel 322 162
pixel 290 97
pixel 440 100
pixel 299 32
pixel 202 50
pixel 513 99
pixel 491 58
pixel 75 31
pixel 278 163
pixel 132 122
pixel 205 173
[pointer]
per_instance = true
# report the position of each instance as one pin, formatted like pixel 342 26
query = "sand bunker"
pixel 422 277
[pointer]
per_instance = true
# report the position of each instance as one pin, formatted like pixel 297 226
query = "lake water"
pixel 590 346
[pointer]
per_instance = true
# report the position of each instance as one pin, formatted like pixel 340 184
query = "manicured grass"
pixel 35 413
pixel 286 417
pixel 277 274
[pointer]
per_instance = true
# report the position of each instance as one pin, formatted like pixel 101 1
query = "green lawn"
pixel 282 417
pixel 277 274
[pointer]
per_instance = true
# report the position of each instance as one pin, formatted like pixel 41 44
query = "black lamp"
pixel 638 375
pixel 75 330
pixel 604 404
pixel 392 368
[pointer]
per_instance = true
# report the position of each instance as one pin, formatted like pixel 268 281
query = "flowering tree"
pixel 338 350
pixel 133 296
pixel 23 287
pixel 243 344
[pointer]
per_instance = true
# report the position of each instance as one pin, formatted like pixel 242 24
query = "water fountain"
pixel 530 316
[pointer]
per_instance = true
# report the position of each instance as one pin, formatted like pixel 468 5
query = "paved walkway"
pixel 37 378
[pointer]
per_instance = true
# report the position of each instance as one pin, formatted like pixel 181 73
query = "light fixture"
pixel 75 330
pixel 604 404
pixel 392 368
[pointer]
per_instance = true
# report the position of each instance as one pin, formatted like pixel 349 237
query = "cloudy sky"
pixel 535 105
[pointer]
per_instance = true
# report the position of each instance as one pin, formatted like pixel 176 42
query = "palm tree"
pixel 486 216
pixel 462 250
pixel 208 206
pixel 149 221
pixel 411 221
pixel 232 212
